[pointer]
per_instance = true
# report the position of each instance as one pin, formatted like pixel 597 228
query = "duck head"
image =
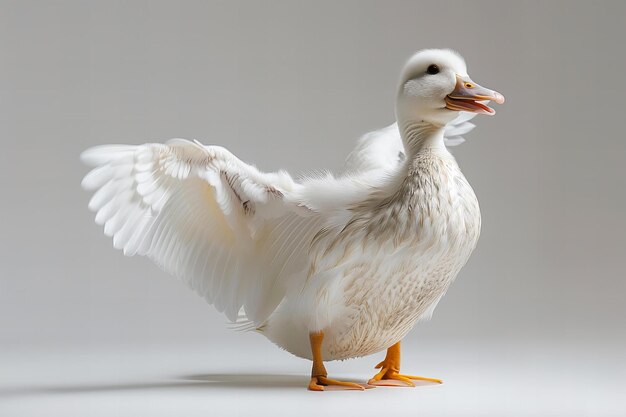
pixel 434 87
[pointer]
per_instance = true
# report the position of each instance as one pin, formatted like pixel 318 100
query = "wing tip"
pixel 101 154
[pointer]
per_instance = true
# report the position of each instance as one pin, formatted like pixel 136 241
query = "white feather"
pixel 182 205
pixel 383 149
pixel 362 255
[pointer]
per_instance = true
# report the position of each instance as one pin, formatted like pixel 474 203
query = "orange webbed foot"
pixel 319 383
pixel 319 380
pixel 390 375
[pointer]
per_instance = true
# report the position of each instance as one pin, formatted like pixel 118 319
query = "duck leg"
pixel 390 375
pixel 319 376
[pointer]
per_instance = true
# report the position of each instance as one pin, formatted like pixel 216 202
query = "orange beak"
pixel 467 96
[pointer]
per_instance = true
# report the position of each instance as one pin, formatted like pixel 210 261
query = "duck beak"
pixel 467 96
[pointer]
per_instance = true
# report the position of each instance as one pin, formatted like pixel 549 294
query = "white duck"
pixel 327 268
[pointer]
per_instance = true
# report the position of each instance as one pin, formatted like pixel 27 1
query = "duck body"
pixel 326 267
pixel 388 265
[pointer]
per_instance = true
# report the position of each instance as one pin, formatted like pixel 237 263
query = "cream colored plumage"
pixel 360 257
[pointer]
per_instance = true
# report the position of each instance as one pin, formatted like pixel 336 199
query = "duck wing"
pixel 231 232
pixel 452 135
pixel 383 149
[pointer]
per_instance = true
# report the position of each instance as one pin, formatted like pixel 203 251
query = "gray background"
pixel 292 85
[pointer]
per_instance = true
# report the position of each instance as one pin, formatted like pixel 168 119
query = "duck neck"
pixel 419 136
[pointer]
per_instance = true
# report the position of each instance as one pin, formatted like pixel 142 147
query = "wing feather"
pixel 231 232
pixel 383 149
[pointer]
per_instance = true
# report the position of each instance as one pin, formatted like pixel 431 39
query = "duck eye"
pixel 432 69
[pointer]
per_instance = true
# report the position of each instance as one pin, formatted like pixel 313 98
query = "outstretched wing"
pixel 452 135
pixel 225 228
pixel 383 149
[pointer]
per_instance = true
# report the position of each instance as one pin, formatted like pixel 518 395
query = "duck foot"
pixel 319 383
pixel 390 375
pixel 319 379
pixel 391 378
